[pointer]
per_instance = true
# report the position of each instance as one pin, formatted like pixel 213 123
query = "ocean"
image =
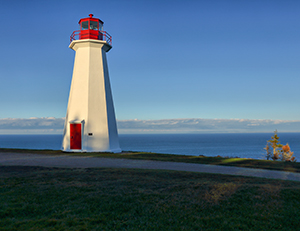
pixel 247 145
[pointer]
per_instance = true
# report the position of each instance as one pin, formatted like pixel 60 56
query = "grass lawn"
pixel 238 162
pixel 37 198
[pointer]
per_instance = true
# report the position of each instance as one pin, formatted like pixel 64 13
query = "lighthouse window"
pixel 93 25
pixel 84 25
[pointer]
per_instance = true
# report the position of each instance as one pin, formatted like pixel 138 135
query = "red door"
pixel 75 136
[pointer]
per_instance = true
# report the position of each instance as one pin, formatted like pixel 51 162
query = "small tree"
pixel 275 144
pixel 268 150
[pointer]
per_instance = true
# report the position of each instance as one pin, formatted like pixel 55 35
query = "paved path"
pixel 26 159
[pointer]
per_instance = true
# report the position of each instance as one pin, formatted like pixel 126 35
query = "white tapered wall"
pixel 90 100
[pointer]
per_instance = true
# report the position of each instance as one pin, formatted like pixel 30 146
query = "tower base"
pixel 107 151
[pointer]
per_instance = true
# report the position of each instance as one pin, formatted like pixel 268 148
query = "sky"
pixel 173 61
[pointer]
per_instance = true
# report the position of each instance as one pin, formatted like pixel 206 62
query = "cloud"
pixel 47 125
pixel 51 125
pixel 207 126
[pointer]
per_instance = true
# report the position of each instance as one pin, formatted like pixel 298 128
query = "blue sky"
pixel 170 59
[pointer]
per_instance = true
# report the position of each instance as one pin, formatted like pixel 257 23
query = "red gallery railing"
pixel 91 34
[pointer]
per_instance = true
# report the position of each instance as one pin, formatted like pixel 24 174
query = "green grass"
pixel 36 198
pixel 237 162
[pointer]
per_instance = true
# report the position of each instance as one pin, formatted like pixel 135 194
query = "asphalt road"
pixel 27 159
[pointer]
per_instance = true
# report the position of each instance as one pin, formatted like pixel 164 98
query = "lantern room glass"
pixel 94 25
pixel 100 26
pixel 84 25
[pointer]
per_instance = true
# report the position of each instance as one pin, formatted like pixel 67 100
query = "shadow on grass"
pixel 37 198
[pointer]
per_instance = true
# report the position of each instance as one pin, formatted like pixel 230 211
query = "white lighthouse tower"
pixel 90 124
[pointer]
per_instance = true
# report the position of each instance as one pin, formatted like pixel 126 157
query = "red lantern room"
pixel 91 28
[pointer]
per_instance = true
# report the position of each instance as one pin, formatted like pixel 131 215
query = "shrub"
pixel 282 152
pixel 287 154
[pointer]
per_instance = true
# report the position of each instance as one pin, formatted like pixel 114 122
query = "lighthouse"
pixel 90 124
